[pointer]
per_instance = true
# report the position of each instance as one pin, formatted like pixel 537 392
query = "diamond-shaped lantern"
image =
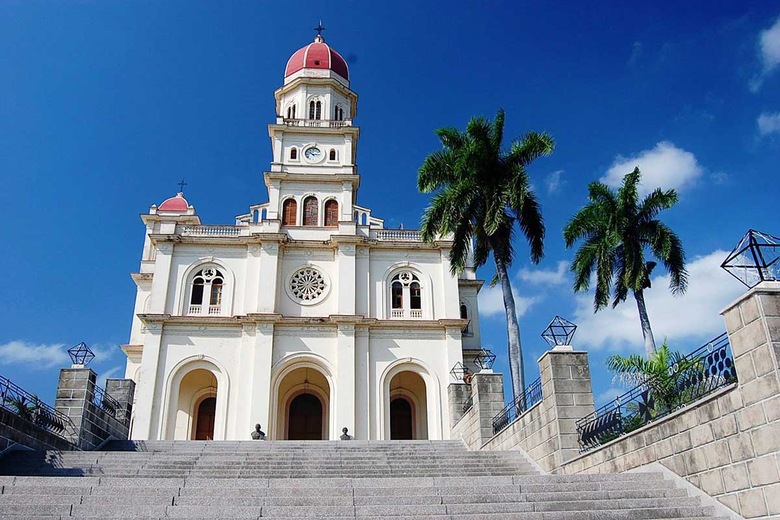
pixel 460 373
pixel 485 359
pixel 81 355
pixel 559 332
pixel 754 259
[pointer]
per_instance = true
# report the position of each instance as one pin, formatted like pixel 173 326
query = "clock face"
pixel 313 153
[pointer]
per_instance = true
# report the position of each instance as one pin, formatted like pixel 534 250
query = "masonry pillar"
pixel 567 396
pixel 488 395
pixel 75 390
pixel 122 390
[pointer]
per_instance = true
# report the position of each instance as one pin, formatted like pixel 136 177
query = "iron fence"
pixel 18 401
pixel 105 402
pixel 698 374
pixel 468 403
pixel 518 406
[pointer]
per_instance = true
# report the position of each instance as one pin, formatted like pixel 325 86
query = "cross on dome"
pixel 319 30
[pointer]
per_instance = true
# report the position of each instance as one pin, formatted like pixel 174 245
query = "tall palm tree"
pixel 617 230
pixel 481 192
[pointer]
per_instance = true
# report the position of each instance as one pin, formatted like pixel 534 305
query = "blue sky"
pixel 106 105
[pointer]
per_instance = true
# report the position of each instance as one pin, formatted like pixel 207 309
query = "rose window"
pixel 307 285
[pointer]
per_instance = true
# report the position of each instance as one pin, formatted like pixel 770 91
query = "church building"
pixel 307 315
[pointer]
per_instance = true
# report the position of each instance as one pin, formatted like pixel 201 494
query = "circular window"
pixel 307 286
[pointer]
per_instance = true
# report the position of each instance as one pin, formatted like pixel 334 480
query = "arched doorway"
pixel 302 409
pixel 305 418
pixel 204 422
pixel 401 427
pixel 408 408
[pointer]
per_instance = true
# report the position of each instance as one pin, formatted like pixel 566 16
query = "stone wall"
pixel 728 444
pixel 17 430
pixel 96 419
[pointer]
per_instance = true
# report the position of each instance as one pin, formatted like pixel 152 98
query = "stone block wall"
pixel 17 430
pixel 95 423
pixel 728 444
pixel 475 426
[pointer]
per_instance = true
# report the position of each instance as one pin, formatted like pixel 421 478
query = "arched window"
pixel 310 211
pixel 315 109
pixel 331 213
pixel 206 283
pixel 294 153
pixel 332 155
pixel 405 296
pixel 289 212
pixel 338 113
pixel 464 315
pixel 291 111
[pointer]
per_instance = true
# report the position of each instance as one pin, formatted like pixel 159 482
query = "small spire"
pixel 319 29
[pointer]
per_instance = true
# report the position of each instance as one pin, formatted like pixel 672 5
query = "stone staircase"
pixel 320 479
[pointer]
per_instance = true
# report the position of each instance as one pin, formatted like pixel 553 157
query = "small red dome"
pixel 177 203
pixel 317 55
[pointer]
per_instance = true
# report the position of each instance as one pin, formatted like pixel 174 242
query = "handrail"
pixel 698 374
pixel 519 405
pixel 22 403
pixel 211 231
pixel 104 401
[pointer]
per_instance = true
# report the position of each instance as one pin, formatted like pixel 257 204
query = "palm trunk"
pixel 513 333
pixel 647 332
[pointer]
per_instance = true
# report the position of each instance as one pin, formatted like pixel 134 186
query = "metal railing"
pixel 211 231
pixel 468 403
pixel 698 374
pixel 521 404
pixel 107 403
pixel 19 402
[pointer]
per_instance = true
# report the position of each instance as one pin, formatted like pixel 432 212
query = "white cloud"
pixel 111 372
pixel 691 318
pixel 40 356
pixel 768 123
pixel 608 395
pixel 665 166
pixel 769 42
pixel 491 302
pixel 554 182
pixel 547 277
pixel 769 50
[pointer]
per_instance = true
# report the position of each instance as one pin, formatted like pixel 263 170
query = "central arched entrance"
pixel 408 407
pixel 305 418
pixel 303 404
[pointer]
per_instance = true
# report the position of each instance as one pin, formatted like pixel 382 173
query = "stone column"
pixel 75 391
pixel 567 396
pixel 146 420
pixel 344 407
pixel 488 394
pixel 123 391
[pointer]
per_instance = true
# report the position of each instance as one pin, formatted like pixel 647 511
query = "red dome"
pixel 317 55
pixel 177 203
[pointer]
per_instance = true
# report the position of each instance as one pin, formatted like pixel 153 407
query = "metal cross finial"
pixel 319 29
pixel 182 184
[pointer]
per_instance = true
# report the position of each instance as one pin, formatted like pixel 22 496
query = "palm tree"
pixel 481 192
pixel 617 230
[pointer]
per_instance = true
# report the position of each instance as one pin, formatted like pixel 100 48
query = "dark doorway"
pixel 401 419
pixel 204 426
pixel 305 419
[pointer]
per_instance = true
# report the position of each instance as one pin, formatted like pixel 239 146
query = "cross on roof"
pixel 319 28
pixel 182 184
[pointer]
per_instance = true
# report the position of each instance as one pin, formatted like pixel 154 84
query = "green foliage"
pixel 615 230
pixel 481 194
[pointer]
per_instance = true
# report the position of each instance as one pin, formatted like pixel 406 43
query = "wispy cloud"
pixel 769 52
pixel 768 123
pixel 111 372
pixel 545 276
pixel 664 166
pixel 40 356
pixel 553 182
pixel 694 316
pixel 636 53
pixel 608 395
pixel 491 302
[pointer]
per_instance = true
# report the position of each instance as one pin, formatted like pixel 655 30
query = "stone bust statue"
pixel 258 434
pixel 344 435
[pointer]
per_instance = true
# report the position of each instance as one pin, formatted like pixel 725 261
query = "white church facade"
pixel 307 315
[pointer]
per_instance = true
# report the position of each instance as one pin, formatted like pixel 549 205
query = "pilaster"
pixel 146 416
pixel 162 273
pixel 346 389
pixel 268 279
